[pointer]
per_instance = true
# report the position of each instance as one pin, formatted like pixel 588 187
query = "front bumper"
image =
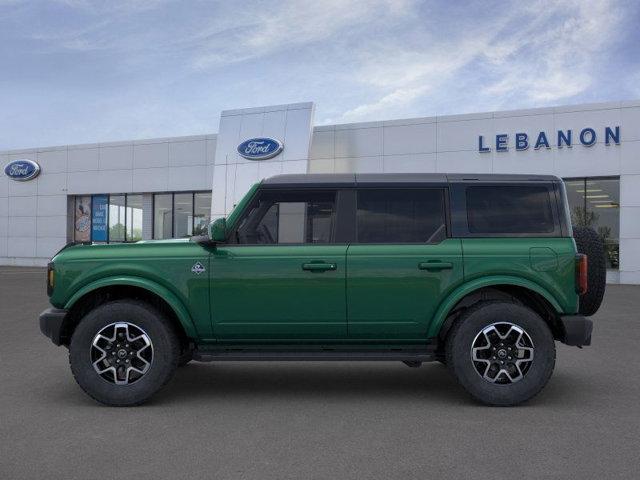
pixel 51 322
pixel 577 330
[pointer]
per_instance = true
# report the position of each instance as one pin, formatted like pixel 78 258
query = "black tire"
pixel 589 242
pixel 165 351
pixel 468 328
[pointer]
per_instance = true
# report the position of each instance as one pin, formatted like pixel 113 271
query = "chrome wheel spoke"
pixel 102 338
pixel 502 353
pixel 146 363
pixel 121 353
pixel 527 353
pixel 102 370
pixel 480 349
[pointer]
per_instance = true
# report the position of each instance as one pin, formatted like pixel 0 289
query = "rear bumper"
pixel 51 321
pixel 577 330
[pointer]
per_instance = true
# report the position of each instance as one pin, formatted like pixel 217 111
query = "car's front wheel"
pixel 123 352
pixel 502 353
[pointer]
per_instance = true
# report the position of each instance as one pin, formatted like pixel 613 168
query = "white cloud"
pixel 406 76
pixel 543 51
pixel 287 25
pixel 159 68
pixel 556 63
pixel 398 98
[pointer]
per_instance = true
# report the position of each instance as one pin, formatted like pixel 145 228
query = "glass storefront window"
pixel 105 218
pixel 99 217
pixel 134 218
pixel 595 203
pixel 117 218
pixel 162 215
pixel 82 219
pixel 201 213
pixel 182 215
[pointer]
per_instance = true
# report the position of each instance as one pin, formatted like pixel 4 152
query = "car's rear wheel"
pixel 502 353
pixel 122 352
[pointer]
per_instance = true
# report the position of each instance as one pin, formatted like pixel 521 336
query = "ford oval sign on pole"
pixel 22 170
pixel 260 148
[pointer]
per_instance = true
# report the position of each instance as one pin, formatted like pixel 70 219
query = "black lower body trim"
pixel 51 321
pixel 315 355
pixel 577 330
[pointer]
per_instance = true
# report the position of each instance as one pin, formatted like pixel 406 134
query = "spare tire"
pixel 589 243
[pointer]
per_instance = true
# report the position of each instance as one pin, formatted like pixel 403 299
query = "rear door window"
pixel 401 216
pixel 511 209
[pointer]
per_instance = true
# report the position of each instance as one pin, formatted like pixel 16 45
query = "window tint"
pixel 117 217
pixel 401 216
pixel 595 203
pixel 134 218
pixel 182 215
pixel 289 217
pixel 509 209
pixel 201 212
pixel 162 215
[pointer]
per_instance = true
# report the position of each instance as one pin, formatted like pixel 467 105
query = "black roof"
pixel 372 179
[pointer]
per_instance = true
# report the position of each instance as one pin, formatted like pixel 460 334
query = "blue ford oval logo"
pixel 22 170
pixel 260 148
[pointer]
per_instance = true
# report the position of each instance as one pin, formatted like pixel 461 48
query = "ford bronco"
pixel 479 272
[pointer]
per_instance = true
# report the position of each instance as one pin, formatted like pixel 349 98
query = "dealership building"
pixel 172 187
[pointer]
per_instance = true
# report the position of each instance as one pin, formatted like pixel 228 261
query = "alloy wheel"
pixel 502 353
pixel 121 353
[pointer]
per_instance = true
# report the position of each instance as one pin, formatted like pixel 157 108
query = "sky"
pixel 80 71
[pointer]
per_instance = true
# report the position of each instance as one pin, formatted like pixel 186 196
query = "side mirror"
pixel 218 230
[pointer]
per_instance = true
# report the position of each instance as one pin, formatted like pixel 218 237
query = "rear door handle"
pixel 435 266
pixel 319 267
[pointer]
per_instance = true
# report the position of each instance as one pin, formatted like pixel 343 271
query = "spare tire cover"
pixel 589 243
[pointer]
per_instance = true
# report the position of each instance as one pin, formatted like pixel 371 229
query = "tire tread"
pixel 453 366
pixel 174 354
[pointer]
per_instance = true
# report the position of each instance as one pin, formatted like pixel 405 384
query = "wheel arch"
pixel 114 288
pixel 517 289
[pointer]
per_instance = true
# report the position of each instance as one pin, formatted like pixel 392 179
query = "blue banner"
pixel 99 206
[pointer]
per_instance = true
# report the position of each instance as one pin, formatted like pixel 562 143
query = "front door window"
pixel 289 218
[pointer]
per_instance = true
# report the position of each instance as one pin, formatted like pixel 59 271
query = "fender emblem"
pixel 198 268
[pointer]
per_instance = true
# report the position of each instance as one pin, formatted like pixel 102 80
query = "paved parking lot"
pixel 317 420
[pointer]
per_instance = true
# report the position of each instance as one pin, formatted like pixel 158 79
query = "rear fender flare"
pixel 462 291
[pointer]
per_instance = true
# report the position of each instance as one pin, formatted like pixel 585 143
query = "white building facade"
pixel 172 187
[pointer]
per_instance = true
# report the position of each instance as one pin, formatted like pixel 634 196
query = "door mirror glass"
pixel 218 230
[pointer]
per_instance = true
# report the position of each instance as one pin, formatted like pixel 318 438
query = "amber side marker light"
pixel 582 266
pixel 51 276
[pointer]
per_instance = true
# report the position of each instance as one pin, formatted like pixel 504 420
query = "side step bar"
pixel 422 355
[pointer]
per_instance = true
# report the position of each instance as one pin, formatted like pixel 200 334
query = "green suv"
pixel 479 272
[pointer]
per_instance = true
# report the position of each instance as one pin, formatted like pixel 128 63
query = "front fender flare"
pixel 176 305
pixel 462 291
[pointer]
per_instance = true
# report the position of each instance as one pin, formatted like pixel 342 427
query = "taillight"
pixel 581 274
pixel 51 278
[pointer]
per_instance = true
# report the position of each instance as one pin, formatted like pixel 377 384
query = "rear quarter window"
pixel 509 209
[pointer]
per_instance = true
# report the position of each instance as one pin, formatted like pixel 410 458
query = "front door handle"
pixel 435 266
pixel 319 266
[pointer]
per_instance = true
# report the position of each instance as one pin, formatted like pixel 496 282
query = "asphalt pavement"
pixel 317 420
